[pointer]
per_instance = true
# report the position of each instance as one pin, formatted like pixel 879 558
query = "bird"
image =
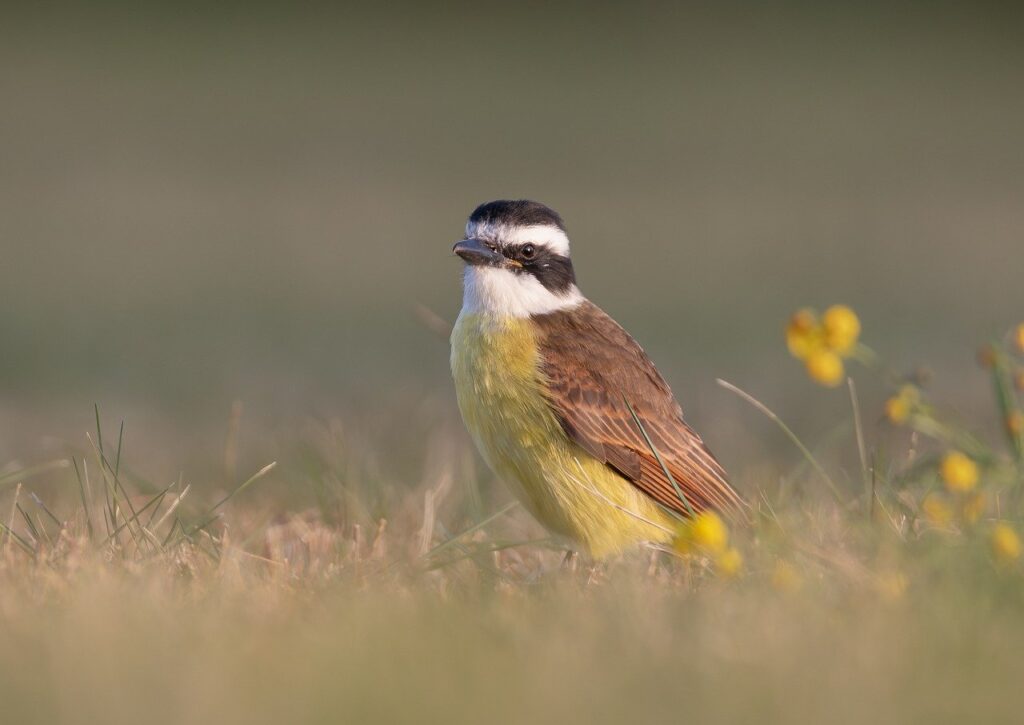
pixel 562 403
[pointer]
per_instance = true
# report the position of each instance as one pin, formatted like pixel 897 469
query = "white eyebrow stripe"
pixel 540 234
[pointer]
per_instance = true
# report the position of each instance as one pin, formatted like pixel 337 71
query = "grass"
pixel 122 601
pixel 319 622
pixel 123 646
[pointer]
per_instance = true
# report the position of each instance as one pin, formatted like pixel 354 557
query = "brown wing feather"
pixel 590 367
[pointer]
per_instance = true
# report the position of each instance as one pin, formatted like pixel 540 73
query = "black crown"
pixel 518 213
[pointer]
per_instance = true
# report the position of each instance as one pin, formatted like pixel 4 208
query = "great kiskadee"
pixel 562 403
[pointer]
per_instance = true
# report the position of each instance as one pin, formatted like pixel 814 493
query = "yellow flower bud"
pixel 1005 543
pixel 803 334
pixel 1018 338
pixel 786 578
pixel 825 367
pixel 1015 423
pixel 959 472
pixel 986 356
pixel 899 407
pixel 1018 380
pixel 729 562
pixel 936 510
pixel 842 328
pixel 897 410
pixel 708 532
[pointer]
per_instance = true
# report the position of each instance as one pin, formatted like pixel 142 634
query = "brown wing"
pixel 590 367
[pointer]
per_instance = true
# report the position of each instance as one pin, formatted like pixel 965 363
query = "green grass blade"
pixel 657 456
pixel 859 434
pixel 187 534
pixel 241 487
pixel 471 530
pixel 39 502
pixel 120 441
pixel 789 434
pixel 21 474
pixel 135 516
pixel 28 522
pixel 99 429
pixel 12 534
pixel 85 501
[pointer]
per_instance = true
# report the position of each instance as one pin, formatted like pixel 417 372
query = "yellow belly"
pixel 495 366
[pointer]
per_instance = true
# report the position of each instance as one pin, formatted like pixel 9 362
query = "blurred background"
pixel 208 204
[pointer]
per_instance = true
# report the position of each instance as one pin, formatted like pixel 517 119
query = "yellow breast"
pixel 495 364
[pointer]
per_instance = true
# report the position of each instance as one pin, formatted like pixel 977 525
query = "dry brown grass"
pixel 417 608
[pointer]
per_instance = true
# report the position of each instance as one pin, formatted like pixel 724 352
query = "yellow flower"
pixel 708 531
pixel 842 328
pixel 803 334
pixel 786 578
pixel 822 344
pixel 899 406
pixel 959 472
pixel 936 510
pixel 729 562
pixel 825 367
pixel 1015 423
pixel 897 410
pixel 973 507
pixel 1018 338
pixel 1005 543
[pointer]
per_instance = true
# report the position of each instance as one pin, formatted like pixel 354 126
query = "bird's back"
pixel 611 400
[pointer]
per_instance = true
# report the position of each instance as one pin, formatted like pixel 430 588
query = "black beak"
pixel 475 252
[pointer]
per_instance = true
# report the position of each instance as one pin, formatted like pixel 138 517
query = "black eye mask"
pixel 552 270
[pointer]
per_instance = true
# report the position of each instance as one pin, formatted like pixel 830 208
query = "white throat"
pixel 503 293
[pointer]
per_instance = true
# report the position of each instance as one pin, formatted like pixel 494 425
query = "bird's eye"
pixel 528 251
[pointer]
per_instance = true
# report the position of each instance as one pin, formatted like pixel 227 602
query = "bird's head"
pixel 517 260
